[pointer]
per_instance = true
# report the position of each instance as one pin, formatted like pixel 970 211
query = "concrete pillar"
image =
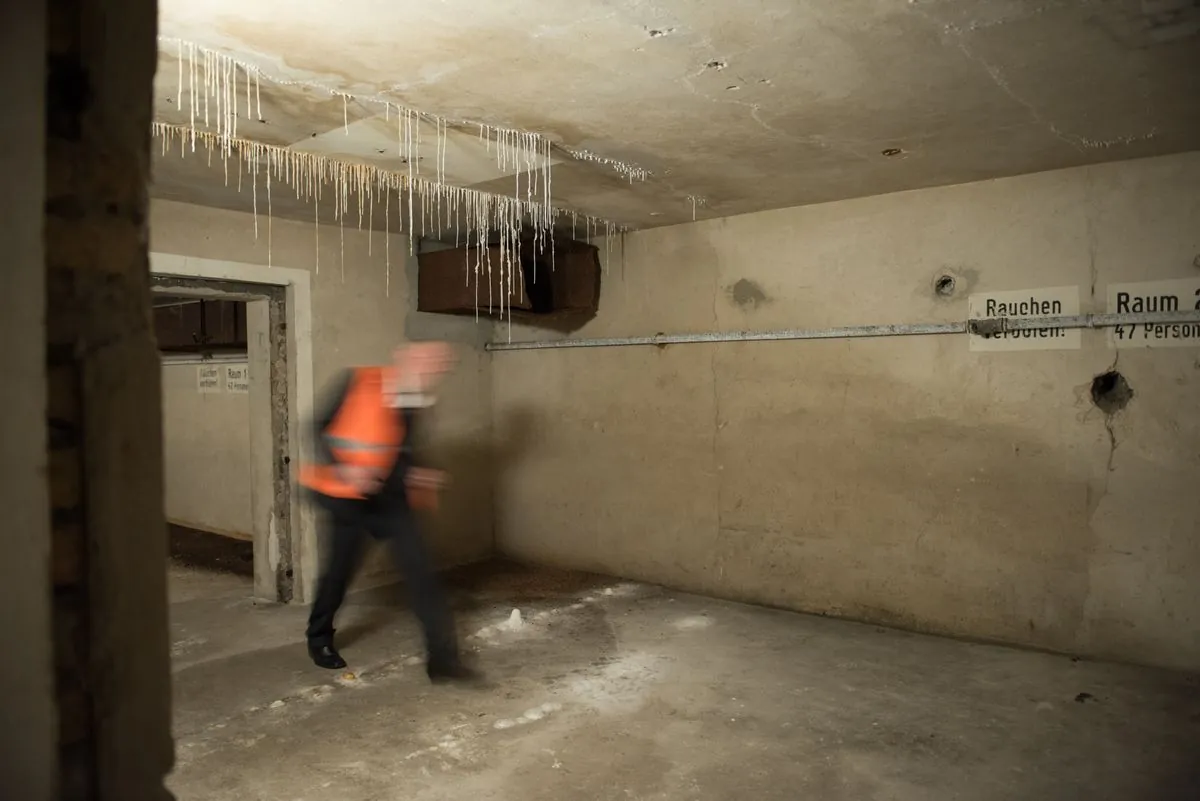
pixel 104 406
pixel 27 739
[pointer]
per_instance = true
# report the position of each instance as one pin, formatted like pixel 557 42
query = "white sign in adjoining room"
pixel 237 378
pixel 208 379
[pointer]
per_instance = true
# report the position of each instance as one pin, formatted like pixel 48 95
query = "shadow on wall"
pixel 464 329
pixel 468 513
pixel 558 322
pixel 469 508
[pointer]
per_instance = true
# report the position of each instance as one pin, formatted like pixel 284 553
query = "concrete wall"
pixel 358 317
pixel 206 452
pixel 907 481
pixel 103 403
pixel 27 747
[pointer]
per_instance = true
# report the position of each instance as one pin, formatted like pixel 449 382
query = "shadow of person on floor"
pixel 463 528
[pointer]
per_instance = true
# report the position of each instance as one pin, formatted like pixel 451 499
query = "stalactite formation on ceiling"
pixel 222 90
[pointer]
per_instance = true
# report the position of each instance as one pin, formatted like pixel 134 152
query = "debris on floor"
pixel 617 690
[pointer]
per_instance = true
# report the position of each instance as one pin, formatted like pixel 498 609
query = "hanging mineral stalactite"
pixel 214 77
pixel 214 83
pixel 477 216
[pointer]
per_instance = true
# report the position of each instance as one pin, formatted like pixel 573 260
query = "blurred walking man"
pixel 365 481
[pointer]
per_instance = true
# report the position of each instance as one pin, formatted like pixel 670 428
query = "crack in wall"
pixel 716 397
pixel 1089 208
pixel 1110 413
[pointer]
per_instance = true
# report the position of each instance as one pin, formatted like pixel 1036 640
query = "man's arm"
pixel 331 402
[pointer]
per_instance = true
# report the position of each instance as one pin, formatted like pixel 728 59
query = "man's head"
pixel 420 367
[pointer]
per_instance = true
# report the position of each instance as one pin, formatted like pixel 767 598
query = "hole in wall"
pixel 658 33
pixel 715 64
pixel 944 285
pixel 733 88
pixel 891 151
pixel 1111 392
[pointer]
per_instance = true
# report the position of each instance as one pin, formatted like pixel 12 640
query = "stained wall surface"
pixel 907 481
pixel 361 305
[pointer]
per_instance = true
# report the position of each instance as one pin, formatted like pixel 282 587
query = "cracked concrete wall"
pixel 359 315
pixel 904 481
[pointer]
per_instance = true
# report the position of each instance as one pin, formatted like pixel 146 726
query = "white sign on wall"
pixel 1178 295
pixel 208 378
pixel 237 378
pixel 1048 302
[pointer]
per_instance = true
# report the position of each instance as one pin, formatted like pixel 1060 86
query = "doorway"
pixel 222 323
pixel 240 349
pixel 207 456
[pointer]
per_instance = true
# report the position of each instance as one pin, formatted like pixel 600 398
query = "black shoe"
pixel 454 672
pixel 326 656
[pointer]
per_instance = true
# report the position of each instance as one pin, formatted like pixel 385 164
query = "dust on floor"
pixel 600 689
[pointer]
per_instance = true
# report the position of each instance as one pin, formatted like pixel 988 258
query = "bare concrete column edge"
pixel 28 747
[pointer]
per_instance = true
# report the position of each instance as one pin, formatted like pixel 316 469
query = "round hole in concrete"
pixel 891 151
pixel 944 285
pixel 1111 392
pixel 715 64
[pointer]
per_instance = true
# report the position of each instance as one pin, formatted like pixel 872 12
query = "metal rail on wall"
pixel 982 327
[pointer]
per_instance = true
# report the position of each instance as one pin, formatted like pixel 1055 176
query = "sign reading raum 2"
pixel 1048 302
pixel 1176 295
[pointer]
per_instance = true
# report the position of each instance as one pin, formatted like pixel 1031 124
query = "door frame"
pixel 279 332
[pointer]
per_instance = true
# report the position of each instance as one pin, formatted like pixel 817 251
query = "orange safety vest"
pixel 365 432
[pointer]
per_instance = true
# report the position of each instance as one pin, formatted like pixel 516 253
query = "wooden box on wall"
pixel 447 283
pixel 566 281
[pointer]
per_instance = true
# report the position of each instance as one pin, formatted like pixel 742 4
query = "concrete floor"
pixel 607 690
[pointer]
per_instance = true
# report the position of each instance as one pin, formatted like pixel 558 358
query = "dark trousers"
pixel 345 537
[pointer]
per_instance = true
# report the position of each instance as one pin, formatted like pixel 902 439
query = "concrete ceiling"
pixel 732 107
